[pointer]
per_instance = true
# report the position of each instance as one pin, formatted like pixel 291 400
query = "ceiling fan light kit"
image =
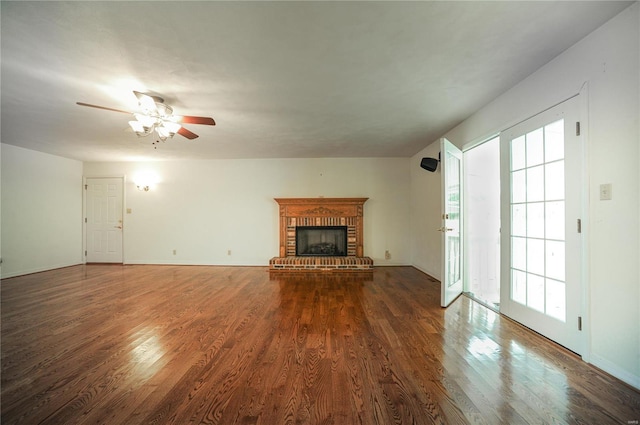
pixel 156 116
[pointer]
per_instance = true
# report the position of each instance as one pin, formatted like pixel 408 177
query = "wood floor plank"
pixel 111 344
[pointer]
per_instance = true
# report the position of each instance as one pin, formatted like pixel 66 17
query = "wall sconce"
pixel 144 181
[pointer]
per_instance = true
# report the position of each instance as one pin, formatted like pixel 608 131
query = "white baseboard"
pixel 23 272
pixel 615 370
pixel 427 272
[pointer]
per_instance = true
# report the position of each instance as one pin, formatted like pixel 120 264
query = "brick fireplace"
pixel 317 213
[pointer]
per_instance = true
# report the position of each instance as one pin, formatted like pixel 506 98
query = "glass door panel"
pixel 541 163
pixel 451 229
pixel 537 182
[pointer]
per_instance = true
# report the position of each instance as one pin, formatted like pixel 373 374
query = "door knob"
pixel 118 227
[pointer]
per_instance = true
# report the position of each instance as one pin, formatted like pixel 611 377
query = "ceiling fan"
pixel 156 116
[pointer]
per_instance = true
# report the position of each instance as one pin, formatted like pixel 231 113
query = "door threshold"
pixel 491 306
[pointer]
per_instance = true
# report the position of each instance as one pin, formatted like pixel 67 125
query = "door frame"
pixel 84 211
pixel 583 116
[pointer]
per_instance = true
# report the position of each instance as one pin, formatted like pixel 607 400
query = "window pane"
pixel 535 184
pixel 535 292
pixel 519 286
pixel 556 299
pixel 535 154
pixel 518 186
pixel 535 220
pixel 554 181
pixel 554 220
pixel 519 220
pixel 517 153
pixel 535 256
pixel 555 260
pixel 519 253
pixel 554 141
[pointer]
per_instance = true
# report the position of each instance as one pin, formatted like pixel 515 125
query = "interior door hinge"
pixel 579 226
pixel 85 219
pixel 577 128
pixel 579 323
pixel 85 253
pixel 86 186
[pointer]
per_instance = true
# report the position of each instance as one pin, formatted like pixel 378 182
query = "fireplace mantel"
pixel 347 212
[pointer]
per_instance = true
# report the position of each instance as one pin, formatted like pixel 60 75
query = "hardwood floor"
pixel 231 345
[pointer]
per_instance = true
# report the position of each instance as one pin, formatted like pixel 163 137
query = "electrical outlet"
pixel 174 252
pixel 387 255
pixel 228 252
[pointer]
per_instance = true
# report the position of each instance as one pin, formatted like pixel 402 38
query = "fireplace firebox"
pixel 321 241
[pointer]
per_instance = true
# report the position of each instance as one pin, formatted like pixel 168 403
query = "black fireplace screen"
pixel 321 241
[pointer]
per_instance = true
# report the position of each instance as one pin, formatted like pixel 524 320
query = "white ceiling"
pixel 281 79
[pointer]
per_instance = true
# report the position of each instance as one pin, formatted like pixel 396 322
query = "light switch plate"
pixel 605 192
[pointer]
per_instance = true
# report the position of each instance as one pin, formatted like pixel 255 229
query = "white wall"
pixel 41 211
pixel 205 208
pixel 608 60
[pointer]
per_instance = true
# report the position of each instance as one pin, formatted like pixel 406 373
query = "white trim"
pixel 479 141
pixel 124 216
pixel 425 271
pixel 84 220
pixel 540 112
pixel 583 111
pixel 498 129
pixel 613 369
pixel 39 270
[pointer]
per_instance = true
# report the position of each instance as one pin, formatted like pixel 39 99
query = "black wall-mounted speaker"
pixel 429 164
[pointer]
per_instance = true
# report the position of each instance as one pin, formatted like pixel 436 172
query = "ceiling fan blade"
pixel 196 120
pixel 103 107
pixel 186 133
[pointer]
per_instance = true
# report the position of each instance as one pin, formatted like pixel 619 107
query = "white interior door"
pixel 451 169
pixel 541 162
pixel 104 226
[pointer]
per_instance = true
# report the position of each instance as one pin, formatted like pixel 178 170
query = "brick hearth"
pixel 321 212
pixel 321 263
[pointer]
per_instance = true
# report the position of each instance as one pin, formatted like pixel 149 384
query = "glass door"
pixel 542 246
pixel 451 229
